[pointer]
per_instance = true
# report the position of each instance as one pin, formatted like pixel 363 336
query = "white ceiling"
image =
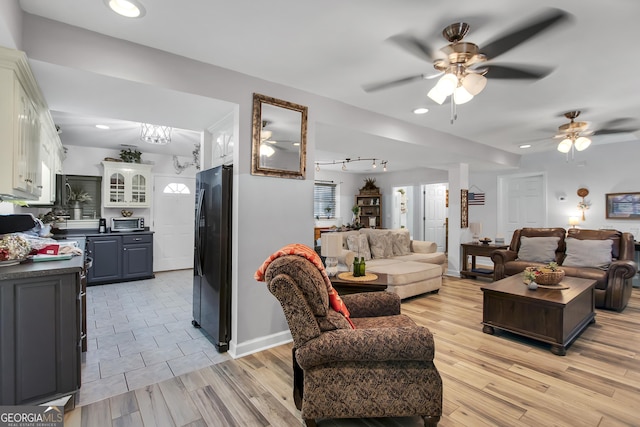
pixel 333 48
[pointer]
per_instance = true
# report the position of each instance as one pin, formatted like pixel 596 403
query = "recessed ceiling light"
pixel 127 8
pixel 421 110
pixel 102 127
pixel 525 146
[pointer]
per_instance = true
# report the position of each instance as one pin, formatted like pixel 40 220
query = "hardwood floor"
pixel 489 380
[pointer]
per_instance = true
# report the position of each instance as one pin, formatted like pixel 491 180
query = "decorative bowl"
pixel 485 241
pixel 549 277
pixel 125 213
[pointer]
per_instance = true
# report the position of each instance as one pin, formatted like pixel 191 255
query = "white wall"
pixel 602 169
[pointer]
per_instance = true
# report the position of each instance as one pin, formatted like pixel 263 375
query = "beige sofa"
pixel 413 267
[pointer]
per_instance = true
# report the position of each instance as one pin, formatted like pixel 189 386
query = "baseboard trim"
pixel 258 344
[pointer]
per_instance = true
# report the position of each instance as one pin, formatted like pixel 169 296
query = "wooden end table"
pixel 474 250
pixel 345 287
pixel 552 316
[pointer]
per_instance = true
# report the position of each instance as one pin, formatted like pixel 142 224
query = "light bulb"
pixel 461 96
pixel 582 143
pixel 344 166
pixel 385 167
pixel 265 150
pixel 436 95
pixel 447 84
pixel 374 164
pixel 317 167
pixel 565 145
pixel 474 83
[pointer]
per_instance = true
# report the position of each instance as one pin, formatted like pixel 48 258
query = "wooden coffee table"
pixel 345 287
pixel 553 316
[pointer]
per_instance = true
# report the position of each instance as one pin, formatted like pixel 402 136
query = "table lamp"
pixel 331 248
pixel 476 229
pixel 573 221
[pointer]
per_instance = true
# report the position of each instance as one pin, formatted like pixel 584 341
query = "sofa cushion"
pixel 359 244
pixel 381 245
pixel 432 258
pixel 402 273
pixel 538 249
pixel 401 242
pixel 588 253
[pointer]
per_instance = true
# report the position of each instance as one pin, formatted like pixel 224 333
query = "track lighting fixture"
pixel 344 162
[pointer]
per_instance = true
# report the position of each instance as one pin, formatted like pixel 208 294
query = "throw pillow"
pixel 401 243
pixel 359 245
pixel 588 253
pixel 381 245
pixel 538 249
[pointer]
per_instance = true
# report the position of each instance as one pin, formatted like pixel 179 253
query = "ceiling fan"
pixel 575 133
pixel 463 65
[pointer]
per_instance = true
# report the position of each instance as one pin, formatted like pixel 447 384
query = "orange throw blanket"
pixel 305 251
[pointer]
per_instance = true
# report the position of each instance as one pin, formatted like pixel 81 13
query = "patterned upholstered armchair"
pixel 383 368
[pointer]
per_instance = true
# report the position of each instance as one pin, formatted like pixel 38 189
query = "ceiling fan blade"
pixel 373 87
pixel 613 131
pixel 514 73
pixel 523 33
pixel 416 47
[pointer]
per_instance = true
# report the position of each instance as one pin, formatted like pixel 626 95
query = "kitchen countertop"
pixel 35 269
pixel 92 232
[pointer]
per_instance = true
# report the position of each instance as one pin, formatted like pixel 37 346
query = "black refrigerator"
pixel 212 255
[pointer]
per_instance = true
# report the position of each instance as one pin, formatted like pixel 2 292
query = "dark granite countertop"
pixel 43 268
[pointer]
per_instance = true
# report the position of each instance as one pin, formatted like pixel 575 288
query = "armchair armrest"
pixel 423 247
pixel 367 345
pixel 372 304
pixel 499 258
pixel 624 269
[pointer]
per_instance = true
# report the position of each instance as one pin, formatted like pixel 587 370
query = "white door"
pixel 173 222
pixel 435 214
pixel 522 203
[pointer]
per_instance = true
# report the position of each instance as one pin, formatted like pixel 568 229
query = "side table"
pixel 474 250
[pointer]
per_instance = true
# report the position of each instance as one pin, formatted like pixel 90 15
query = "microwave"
pixel 127 224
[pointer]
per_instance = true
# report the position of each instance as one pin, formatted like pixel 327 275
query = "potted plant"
pixel 130 156
pixel 356 212
pixel 328 211
pixel 369 187
pixel 76 197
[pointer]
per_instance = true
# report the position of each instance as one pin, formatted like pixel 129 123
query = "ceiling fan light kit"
pixel 155 134
pixel 571 132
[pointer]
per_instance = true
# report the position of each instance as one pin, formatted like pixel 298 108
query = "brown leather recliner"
pixel 383 368
pixel 613 284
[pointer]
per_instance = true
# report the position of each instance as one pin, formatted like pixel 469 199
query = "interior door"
pixel 173 219
pixel 522 203
pixel 435 214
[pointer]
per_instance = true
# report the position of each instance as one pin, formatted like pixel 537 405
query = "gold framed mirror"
pixel 279 138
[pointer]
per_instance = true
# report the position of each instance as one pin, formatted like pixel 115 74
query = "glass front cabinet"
pixel 126 185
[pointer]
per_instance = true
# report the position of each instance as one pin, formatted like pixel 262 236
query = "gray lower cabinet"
pixel 40 321
pixel 118 258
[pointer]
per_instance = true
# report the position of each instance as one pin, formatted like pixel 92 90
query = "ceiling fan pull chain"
pixel 454 113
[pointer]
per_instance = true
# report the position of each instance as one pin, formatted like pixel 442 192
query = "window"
pixel 176 188
pixel 324 200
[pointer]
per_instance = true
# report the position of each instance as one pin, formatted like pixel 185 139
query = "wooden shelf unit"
pixel 370 207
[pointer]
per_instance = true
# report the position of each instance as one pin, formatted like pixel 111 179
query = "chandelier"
pixel 348 160
pixel 155 134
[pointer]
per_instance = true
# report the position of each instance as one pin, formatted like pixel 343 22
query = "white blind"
pixel 324 200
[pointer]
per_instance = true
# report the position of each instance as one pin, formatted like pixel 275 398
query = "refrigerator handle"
pixel 198 238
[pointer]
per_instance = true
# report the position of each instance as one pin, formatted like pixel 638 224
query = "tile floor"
pixel 140 333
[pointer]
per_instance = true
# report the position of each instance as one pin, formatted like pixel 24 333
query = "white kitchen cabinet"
pixel 21 106
pixel 126 185
pixel 51 153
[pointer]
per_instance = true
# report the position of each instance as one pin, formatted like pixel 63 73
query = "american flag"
pixel 476 198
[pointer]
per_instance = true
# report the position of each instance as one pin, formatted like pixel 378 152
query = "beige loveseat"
pixel 413 267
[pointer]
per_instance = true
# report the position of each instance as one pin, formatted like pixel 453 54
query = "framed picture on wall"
pixel 623 205
pixel 464 208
